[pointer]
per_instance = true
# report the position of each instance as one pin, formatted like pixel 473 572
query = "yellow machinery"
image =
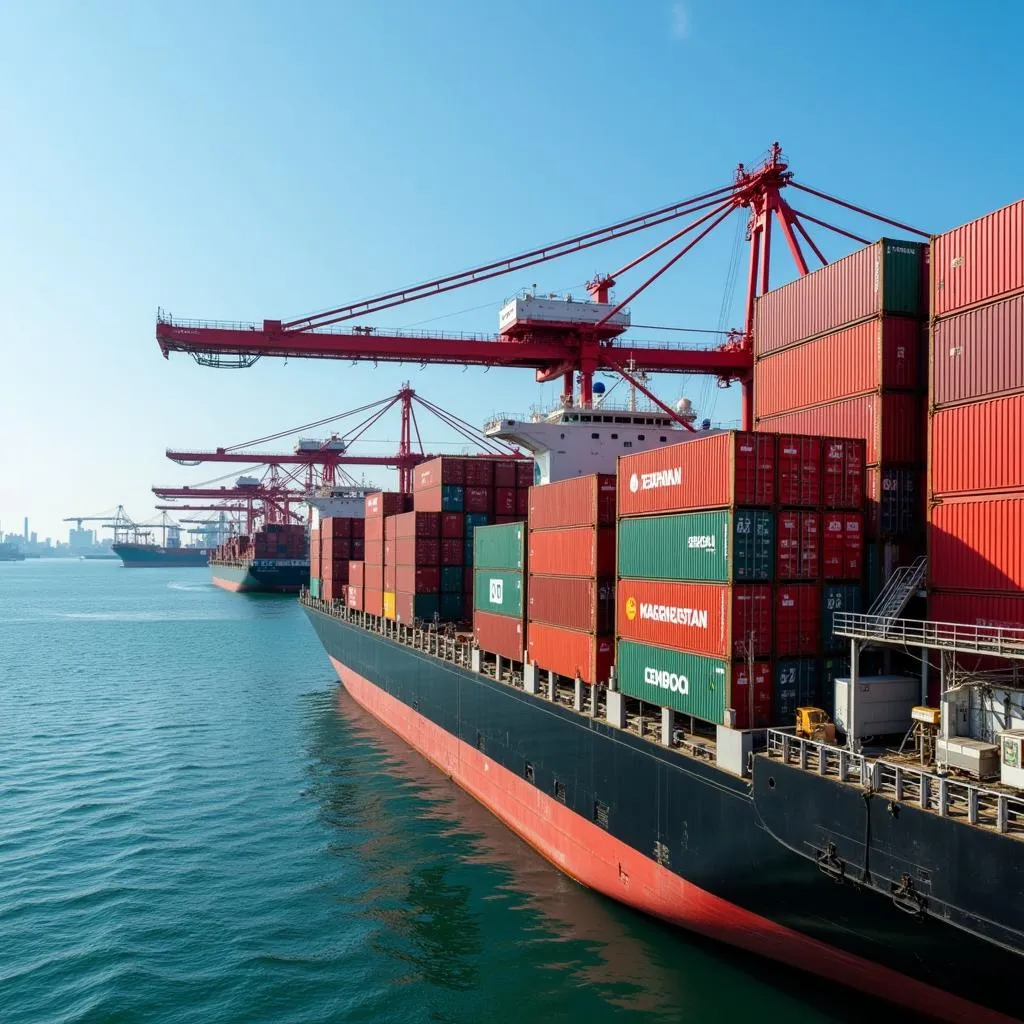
pixel 926 722
pixel 814 724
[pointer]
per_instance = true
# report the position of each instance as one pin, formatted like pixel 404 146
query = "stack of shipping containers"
pixel 314 562
pixel 335 553
pixel 571 587
pixel 976 480
pixel 841 353
pixel 696 541
pixel 412 566
pixel 379 507
pixel 499 584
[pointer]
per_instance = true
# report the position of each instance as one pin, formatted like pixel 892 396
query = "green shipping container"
pixel 314 587
pixel 451 579
pixel 452 607
pixel 690 683
pixel 704 547
pixel 500 547
pixel 837 597
pixel 902 269
pixel 499 591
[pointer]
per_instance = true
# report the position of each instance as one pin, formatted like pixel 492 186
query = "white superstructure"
pixel 530 310
pixel 341 502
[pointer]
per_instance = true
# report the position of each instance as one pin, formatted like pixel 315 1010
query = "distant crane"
pixel 558 339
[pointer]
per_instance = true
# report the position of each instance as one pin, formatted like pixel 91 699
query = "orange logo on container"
pixel 631 608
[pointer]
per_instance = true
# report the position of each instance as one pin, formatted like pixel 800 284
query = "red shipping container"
pixel 417 551
pixel 354 598
pixel 337 526
pixel 797 619
pixel 997 611
pixel 505 473
pixel 977 543
pixel 570 652
pixel 430 500
pixel 314 554
pixel 842 293
pixel 578 551
pixel 358 528
pixel 798 544
pixel 331 591
pixel 731 468
pixel 373 576
pixel 413 579
pixel 358 548
pixel 842 472
pixel 478 499
pixel 891 423
pixel 978 447
pixel 385 503
pixel 524 473
pixel 754 701
pixel 504 501
pixel 979 354
pixel 979 261
pixel 453 552
pixel 374 529
pixel 390 576
pixel 355 573
pixel 479 471
pixel 373 602
pixel 522 503
pixel 335 549
pixel 453 525
pixel 502 520
pixel 716 619
pixel 405 608
pixel 499 634
pixel 842 545
pixel 418 524
pixel 467 580
pixel 442 470
pixel 879 354
pixel 578 501
pixel 799 468
pixel 390 528
pixel 573 602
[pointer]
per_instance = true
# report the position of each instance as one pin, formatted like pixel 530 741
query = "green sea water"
pixel 197 824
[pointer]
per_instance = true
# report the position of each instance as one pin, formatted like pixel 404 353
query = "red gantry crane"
pixel 327 459
pixel 576 344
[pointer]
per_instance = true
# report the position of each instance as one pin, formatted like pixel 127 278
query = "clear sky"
pixel 241 160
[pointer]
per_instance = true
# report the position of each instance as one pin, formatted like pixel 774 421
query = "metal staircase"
pixel 901 586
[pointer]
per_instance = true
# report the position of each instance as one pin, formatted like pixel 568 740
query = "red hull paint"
pixel 235 588
pixel 585 852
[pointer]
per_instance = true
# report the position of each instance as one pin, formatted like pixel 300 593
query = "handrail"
pixel 1003 641
pixel 946 795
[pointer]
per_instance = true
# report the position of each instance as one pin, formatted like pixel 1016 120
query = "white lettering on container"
pixel 659 478
pixel 497 591
pixel 697 617
pixel 667 680
pixel 703 541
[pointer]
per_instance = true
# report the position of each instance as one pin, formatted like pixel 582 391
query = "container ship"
pixel 157 556
pixel 273 560
pixel 765 685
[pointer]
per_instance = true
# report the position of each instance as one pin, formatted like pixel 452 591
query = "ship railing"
pixel 1001 641
pixel 947 796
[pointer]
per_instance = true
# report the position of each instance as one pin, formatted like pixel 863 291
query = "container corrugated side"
pixel 435 472
pixel 837 597
pixel 500 547
pixel 884 277
pixel 385 503
pixel 842 472
pixel 797 619
pixel 895 502
pixel 716 619
pixel 978 354
pixel 418 524
pixel 578 501
pixel 798 545
pixel 799 471
pixel 718 471
pixel 389 604
pixel 979 261
pixel 418 579
pixel 871 356
pixel 890 423
pixel 978 447
pixel 977 544
pixel 499 634
pixel 719 546
pixel 998 611
pixel 443 498
pixel 409 607
pixel 570 652
pixel 576 551
pixel 796 684
pixel 499 591
pixel 690 683
pixel 842 545
pixel 573 602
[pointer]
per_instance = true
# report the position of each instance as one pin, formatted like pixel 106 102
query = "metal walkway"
pixel 958 637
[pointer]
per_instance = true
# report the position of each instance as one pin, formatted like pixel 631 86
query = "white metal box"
pixel 533 310
pixel 1011 761
pixel 882 705
pixel 976 757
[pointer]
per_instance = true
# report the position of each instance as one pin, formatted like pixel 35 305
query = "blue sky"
pixel 246 160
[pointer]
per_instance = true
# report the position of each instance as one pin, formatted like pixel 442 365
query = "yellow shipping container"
pixel 389 605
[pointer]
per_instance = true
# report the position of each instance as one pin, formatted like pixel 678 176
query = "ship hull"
pixel 148 556
pixel 721 872
pixel 265 575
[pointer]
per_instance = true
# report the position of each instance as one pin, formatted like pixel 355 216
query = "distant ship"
pixel 10 553
pixel 106 556
pixel 153 556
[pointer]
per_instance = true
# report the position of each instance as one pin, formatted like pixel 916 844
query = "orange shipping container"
pixel 978 447
pixel 715 619
pixel 355 573
pixel 442 470
pixel 354 598
pixel 578 501
pixel 499 634
pixel 878 354
pixel 891 423
pixel 570 652
pixel 979 261
pixel 719 471
pixel 417 524
pixel 578 551
pixel 977 544
pixel 385 503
